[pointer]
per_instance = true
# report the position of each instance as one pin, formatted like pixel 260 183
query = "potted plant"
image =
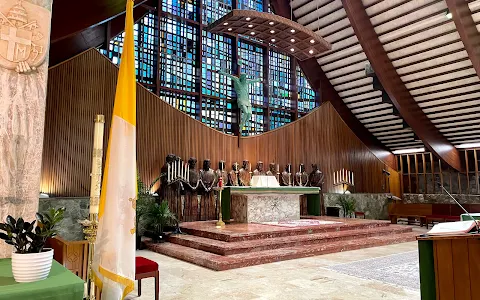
pixel 144 200
pixel 157 217
pixel 30 261
pixel 347 204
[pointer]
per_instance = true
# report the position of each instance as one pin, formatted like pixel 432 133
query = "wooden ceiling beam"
pixel 319 81
pixel 462 16
pixel 396 89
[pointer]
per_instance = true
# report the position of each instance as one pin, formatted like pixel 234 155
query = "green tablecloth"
pixel 465 217
pixel 61 284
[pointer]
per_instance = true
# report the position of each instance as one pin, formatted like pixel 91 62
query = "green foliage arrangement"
pixel 158 216
pixel 347 204
pixel 25 237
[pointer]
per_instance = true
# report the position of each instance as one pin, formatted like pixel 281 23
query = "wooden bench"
pixel 410 211
pixel 449 212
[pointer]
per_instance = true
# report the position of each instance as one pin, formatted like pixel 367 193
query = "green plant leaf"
pixel 11 221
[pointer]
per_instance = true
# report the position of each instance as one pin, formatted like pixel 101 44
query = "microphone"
pixel 476 223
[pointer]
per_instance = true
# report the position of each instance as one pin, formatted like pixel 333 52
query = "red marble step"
pixel 244 232
pixel 229 248
pixel 221 263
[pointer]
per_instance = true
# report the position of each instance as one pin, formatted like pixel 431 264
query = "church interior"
pixel 239 149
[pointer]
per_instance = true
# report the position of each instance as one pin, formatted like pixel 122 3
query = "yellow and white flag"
pixel 114 256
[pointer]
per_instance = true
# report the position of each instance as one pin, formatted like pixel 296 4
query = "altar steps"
pixel 252 245
pixel 243 232
pixel 226 262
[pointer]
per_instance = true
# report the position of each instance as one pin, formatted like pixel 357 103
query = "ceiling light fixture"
pixel 311 51
pixel 312 41
pixel 229 29
pixel 248 19
pixel 272 31
pixel 273 40
pixel 271 23
pixel 292 49
pixel 448 15
pixel 252 33
pixel 250 25
pixel 407 151
pixel 226 23
pixel 292 30
pixel 469 145
pixel 292 40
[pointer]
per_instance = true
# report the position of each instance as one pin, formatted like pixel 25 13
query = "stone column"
pixel 24 41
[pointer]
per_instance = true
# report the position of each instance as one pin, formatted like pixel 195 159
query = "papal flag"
pixel 114 256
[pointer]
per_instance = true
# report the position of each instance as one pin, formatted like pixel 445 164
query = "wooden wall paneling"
pixel 432 168
pixel 425 172
pixel 474 262
pixel 477 182
pixel 466 171
pixel 85 86
pixel 444 270
pixel 461 267
pixel 441 173
pixel 416 174
pixel 409 174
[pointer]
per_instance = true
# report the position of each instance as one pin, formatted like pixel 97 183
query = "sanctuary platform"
pixel 240 245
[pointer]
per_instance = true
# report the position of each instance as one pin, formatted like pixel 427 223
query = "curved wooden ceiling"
pixel 435 57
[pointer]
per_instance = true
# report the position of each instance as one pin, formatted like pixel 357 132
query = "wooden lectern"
pixel 449 267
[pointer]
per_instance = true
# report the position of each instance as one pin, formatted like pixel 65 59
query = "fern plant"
pixel 348 205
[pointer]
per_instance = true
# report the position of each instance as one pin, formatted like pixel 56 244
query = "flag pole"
pixel 91 226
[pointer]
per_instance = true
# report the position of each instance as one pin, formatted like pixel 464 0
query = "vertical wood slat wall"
pixel 85 86
pixel 433 172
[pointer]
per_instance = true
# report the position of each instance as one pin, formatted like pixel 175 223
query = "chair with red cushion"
pixel 145 268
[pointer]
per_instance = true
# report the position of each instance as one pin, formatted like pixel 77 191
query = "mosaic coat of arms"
pixel 24 35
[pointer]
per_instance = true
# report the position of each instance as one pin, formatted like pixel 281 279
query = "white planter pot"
pixel 32 266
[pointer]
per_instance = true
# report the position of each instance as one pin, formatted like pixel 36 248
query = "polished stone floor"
pixel 325 277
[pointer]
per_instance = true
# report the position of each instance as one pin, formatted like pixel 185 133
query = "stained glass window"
pixel 306 95
pixel 252 56
pixel 279 118
pixel 218 114
pixel 217 56
pixel 145 42
pixel 187 9
pixel 279 80
pixel 178 47
pixel 251 4
pixel 215 9
pixel 186 103
pixel 256 125
pixel 168 52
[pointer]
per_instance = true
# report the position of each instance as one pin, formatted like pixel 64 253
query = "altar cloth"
pixel 61 284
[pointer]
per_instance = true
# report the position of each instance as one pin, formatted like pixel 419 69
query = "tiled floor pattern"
pixel 323 277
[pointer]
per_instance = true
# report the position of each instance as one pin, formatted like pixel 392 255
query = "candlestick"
pixel 353 181
pixel 188 173
pixel 168 172
pixel 96 174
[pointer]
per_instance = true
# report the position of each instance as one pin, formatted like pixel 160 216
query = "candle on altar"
pixel 188 173
pixel 278 168
pixel 96 175
pixel 353 182
pixel 168 172
pixel 335 177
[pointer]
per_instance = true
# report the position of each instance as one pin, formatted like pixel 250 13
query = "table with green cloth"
pixel 61 284
pixel 465 217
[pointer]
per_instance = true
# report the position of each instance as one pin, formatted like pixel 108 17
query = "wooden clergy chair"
pixel 145 268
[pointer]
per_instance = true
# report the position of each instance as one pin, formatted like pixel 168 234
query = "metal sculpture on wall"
pixel 259 170
pixel 233 175
pixel 207 200
pixel 241 84
pixel 191 192
pixel 287 176
pixel 301 177
pixel 245 174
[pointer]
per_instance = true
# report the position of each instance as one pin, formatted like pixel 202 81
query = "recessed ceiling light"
pixel 229 29
pixel 250 25
pixel 273 40
pixel 312 41
pixel 311 51
pixel 248 19
pixel 272 31
pixel 292 40
pixel 292 30
pixel 252 33
pixel 226 23
pixel 406 151
pixel 468 145
pixel 271 23
pixel 292 49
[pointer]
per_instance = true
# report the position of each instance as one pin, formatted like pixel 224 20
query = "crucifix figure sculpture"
pixel 240 85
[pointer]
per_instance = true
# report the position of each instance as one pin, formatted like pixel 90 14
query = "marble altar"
pixel 267 204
